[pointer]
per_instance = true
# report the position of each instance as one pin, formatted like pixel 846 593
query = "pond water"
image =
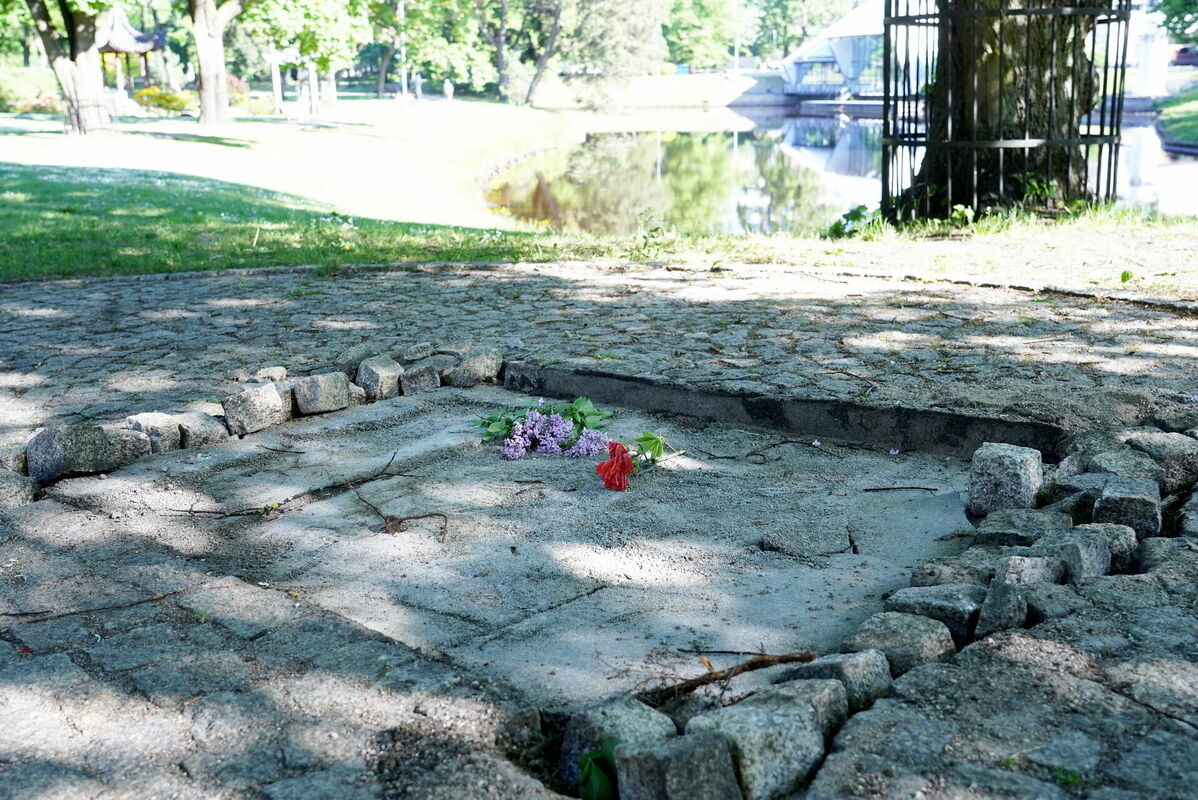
pixel 787 174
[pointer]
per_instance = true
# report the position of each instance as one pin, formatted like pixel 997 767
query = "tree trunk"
pixel 497 38
pixel 549 51
pixel 328 88
pixel 1008 78
pixel 75 59
pixel 384 65
pixel 276 82
pixel 208 28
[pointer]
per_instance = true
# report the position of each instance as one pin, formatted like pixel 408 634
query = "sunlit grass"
pixel 1179 116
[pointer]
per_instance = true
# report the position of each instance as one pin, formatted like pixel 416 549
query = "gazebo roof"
pixel 116 35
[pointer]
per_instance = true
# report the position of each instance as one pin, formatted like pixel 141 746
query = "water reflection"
pixel 794 175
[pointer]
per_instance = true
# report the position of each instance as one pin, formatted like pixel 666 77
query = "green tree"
pixel 784 25
pixel 1181 19
pixel 700 32
pixel 68 35
pixel 612 41
pixel 324 34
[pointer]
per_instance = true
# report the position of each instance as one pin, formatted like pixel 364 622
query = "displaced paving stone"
pixel 1127 463
pixel 201 430
pixel 319 394
pixel 357 395
pixel 1091 483
pixel 419 379
pixel 415 352
pixel 16 490
pixel 1047 601
pixel 865 675
pixel 1003 476
pixel 974 565
pixel 82 449
pixel 1004 608
pixel 697 766
pixel 954 604
pixel 1085 550
pixel 286 390
pixel 1176 453
pixel 1187 518
pixel 907 640
pixel 1022 570
pixel 620 718
pixel 475 368
pixel 1090 443
pixel 828 698
pixel 379 376
pixel 271 374
pixel 1122 541
pixel 12 458
pixel 348 360
pixel 127 446
pixel 1134 502
pixel 775 746
pixel 1020 526
pixel 253 409
pixel 163 430
pixel 1079 506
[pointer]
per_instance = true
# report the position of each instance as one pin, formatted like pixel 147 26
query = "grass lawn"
pixel 1179 116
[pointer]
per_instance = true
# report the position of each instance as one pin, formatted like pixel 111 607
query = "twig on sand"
pixel 658 697
pixel 43 616
pixel 760 451
pixel 899 489
pixel 281 450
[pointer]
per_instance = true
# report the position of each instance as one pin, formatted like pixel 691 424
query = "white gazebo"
pixel 845 58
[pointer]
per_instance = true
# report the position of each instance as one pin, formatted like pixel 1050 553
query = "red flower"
pixel 617 468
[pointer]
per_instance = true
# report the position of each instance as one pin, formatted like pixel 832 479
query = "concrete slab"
pixel 539 576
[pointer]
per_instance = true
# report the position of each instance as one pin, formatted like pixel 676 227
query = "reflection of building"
pixel 846 57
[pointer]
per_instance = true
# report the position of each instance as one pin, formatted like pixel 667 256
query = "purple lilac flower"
pixel 517 444
pixel 590 443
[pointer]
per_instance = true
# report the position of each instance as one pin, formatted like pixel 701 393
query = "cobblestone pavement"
pixel 104 348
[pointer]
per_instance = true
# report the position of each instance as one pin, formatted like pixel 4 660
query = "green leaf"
pixel 651 444
pixel 1126 276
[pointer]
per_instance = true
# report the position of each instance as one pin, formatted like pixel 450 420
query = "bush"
pixel 154 97
pixel 25 89
pixel 239 90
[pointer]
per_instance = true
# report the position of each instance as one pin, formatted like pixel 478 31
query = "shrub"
pixel 25 89
pixel 154 97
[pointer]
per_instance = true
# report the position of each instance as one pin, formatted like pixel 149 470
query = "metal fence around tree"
pixel 989 103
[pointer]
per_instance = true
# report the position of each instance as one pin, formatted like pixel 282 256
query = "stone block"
pixel 826 695
pixel 1020 526
pixel 1187 518
pixel 619 718
pixel 163 430
pixel 1022 570
pixel 200 430
pixel 127 446
pixel 1047 601
pixel 1127 463
pixel 81 449
pixel 775 748
pixel 1079 507
pixel 907 640
pixel 253 409
pixel 1085 551
pixel 419 379
pixel 1003 476
pixel 1134 502
pixel 1122 541
pixel 286 390
pixel 415 352
pixel 379 376
pixel 864 674
pixel 357 395
pixel 1091 483
pixel 348 360
pixel 15 490
pixel 477 367
pixel 1090 443
pixel 1176 453
pixel 693 767
pixel 273 374
pixel 1004 608
pixel 319 394
pixel 954 604
pixel 12 458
